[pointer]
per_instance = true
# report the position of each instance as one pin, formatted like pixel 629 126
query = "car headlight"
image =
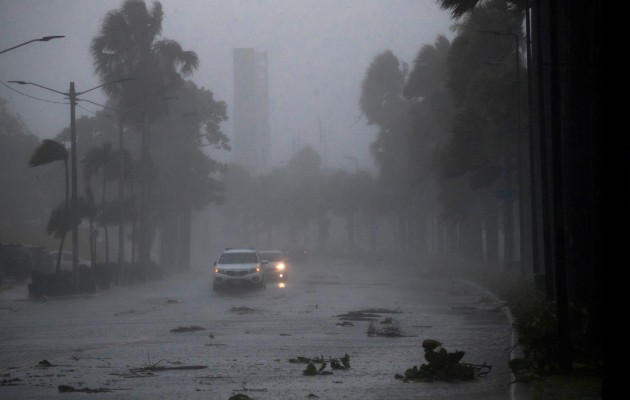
pixel 280 266
pixel 219 271
pixel 257 269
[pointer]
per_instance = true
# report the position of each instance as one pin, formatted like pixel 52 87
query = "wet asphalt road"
pixel 103 341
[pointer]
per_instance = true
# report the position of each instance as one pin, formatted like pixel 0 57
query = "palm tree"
pixel 50 151
pixel 459 8
pixel 128 45
pixel 572 155
pixel 101 159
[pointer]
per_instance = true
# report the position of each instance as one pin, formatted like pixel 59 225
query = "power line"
pixel 33 97
pixel 88 110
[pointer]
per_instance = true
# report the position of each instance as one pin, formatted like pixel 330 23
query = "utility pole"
pixel 121 190
pixel 72 96
pixel 74 214
pixel 144 256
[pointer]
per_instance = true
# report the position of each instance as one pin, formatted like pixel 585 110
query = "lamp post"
pixel 42 39
pixel 72 96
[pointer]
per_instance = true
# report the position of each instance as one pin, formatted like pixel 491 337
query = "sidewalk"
pixel 551 387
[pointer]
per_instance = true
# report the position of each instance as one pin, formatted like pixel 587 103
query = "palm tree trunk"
pixel 58 268
pixel 63 238
pixel 185 237
pixel 104 219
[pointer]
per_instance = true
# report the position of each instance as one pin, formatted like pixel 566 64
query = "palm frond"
pixel 48 151
pixel 459 8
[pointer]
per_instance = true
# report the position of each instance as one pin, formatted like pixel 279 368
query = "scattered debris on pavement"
pixel 443 365
pixel 11 382
pixel 243 310
pixel 311 370
pixel 70 389
pixel 358 316
pixel 156 368
pixel 191 328
pixel 390 328
pixel 245 389
pixel 240 396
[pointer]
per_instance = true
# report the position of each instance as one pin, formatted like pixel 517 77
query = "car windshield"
pixel 238 258
pixel 271 255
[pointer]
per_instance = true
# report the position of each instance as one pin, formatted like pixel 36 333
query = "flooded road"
pixel 177 339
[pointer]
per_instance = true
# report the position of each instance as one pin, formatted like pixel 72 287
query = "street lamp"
pixel 43 39
pixel 72 96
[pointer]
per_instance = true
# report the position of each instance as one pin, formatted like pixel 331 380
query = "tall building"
pixel 252 144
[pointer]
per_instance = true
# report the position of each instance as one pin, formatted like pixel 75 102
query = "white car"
pixel 238 267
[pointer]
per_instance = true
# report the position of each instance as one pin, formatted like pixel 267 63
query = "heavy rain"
pixel 351 199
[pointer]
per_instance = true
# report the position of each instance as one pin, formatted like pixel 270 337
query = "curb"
pixel 516 391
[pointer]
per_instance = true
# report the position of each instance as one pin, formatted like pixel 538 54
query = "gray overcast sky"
pixel 322 46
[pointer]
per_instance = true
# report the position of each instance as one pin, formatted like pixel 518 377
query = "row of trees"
pixel 449 136
pixel 147 142
pixel 571 161
pixel 476 136
pixel 293 205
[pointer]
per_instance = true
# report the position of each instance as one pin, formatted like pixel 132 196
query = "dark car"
pixel 277 266
pixel 16 261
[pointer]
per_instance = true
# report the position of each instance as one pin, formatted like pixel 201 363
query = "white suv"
pixel 238 267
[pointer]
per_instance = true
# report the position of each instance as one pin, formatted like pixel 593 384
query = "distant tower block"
pixel 252 145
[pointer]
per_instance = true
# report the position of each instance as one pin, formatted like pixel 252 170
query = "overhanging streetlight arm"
pixel 42 39
pixel 105 84
pixel 35 84
pixel 67 93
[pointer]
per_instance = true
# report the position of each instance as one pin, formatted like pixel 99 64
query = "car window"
pixel 238 258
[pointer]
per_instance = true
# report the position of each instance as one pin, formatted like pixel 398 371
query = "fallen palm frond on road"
pixel 154 367
pixel 192 328
pixel 70 389
pixel 443 365
pixel 312 370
